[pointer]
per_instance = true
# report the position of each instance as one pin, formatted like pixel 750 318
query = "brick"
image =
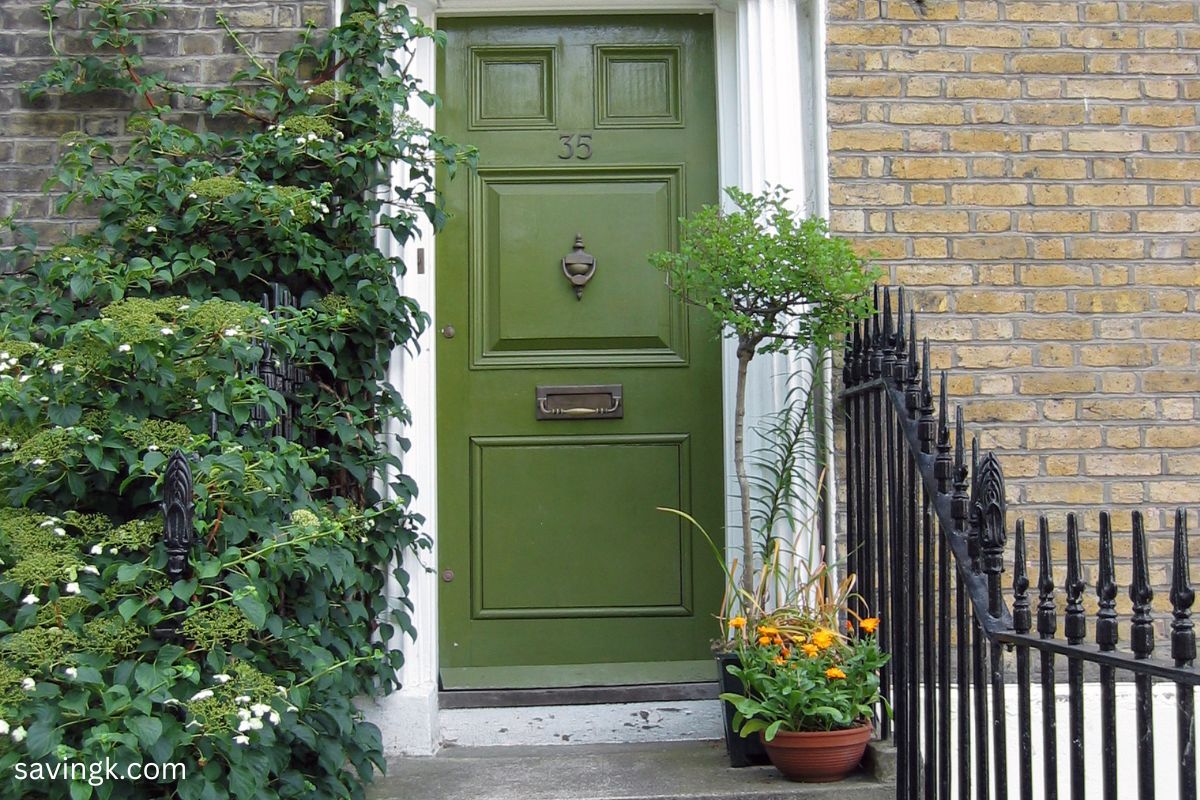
pixel 1115 355
pixel 1171 382
pixel 1164 64
pixel 1173 436
pixel 926 114
pixel 1048 63
pixel 1173 11
pixel 1055 382
pixel 990 248
pixel 1103 88
pixel 989 356
pixel 1121 302
pixel 990 36
pixel 1125 408
pixel 978 141
pixel 1072 437
pixel 866 140
pixel 1161 116
pixel 1168 221
pixel 1105 141
pixel 864 34
pixel 982 87
pixel 866 194
pixel 1107 248
pixel 1048 113
pixel 1167 275
pixel 1055 221
pixel 989 194
pixel 858 86
pixel 989 302
pixel 1077 329
pixel 1050 168
pixel 1123 464
pixel 930 221
pixel 1111 195
pixel 999 411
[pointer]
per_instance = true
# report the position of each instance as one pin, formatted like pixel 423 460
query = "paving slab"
pixel 654 771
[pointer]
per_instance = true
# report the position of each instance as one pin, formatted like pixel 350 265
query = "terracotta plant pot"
pixel 818 756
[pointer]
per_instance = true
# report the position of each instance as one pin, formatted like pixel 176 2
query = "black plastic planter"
pixel 747 752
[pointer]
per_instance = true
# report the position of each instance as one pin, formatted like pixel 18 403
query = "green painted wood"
pixel 563 572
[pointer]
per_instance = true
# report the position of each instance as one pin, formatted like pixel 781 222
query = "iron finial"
pixel 1047 616
pixel 1141 628
pixel 1183 634
pixel 1022 619
pixel 1106 589
pixel 1076 622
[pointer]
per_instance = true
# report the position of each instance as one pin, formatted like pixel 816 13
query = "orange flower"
pixel 849 625
pixel 869 624
pixel 810 650
pixel 785 652
pixel 778 639
pixel 764 640
pixel 737 622
pixel 834 673
pixel 767 630
pixel 824 638
pixel 780 661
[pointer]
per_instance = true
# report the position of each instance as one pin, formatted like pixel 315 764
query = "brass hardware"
pixel 449 331
pixel 579 266
pixel 447 575
pixel 579 402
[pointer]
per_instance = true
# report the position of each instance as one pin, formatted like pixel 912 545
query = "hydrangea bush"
pixel 145 335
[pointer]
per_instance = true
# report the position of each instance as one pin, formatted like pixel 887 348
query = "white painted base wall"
pixel 1166 765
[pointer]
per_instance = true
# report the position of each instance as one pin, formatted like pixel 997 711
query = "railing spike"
pixel 900 367
pixel 1021 616
pixel 912 394
pixel 960 502
pixel 1141 629
pixel 927 426
pixel 943 469
pixel 1106 589
pixel 1047 616
pixel 888 336
pixel 856 369
pixel 875 342
pixel 1075 625
pixel 1183 634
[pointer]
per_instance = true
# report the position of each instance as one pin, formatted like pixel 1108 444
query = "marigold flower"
pixel 810 650
pixel 834 673
pixel 869 624
pixel 737 622
pixel 764 640
pixel 778 639
pixel 780 661
pixel 824 638
pixel 785 652
pixel 767 630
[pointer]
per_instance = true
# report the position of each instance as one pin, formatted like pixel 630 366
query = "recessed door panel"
pixel 528 221
pixel 576 395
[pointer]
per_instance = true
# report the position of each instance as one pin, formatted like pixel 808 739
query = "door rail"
pixel 927 535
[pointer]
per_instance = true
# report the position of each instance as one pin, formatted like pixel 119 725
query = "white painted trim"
pixel 759 119
pixel 677 720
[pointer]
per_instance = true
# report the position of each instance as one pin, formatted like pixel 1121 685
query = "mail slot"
pixel 579 402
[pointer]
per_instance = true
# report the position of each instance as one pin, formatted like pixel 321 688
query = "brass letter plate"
pixel 579 402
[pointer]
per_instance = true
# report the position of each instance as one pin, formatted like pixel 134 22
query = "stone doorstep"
pixel 649 771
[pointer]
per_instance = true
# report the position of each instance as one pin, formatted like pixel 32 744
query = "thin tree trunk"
pixel 744 355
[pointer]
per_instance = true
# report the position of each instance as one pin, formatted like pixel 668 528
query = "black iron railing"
pixel 927 535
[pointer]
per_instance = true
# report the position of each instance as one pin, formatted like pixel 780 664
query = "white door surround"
pixel 771 129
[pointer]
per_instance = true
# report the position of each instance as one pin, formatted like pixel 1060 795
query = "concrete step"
pixel 648 771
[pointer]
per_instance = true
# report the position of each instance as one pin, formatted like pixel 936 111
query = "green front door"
pixel 595 135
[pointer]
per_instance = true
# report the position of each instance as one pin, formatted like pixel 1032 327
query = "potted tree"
pixel 774 282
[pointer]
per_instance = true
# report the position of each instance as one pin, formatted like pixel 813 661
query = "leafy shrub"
pixel 146 335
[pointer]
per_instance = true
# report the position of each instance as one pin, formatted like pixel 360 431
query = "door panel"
pixel 561 570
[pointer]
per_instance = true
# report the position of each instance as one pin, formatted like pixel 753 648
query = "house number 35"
pixel 576 145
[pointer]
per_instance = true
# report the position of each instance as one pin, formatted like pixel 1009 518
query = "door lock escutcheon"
pixel 448 332
pixel 447 575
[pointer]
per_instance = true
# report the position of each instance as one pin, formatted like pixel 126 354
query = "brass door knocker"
pixel 579 266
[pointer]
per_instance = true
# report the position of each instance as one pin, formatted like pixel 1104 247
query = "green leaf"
pixel 253 608
pixel 147 729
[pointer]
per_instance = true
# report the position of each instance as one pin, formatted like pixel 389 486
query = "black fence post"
pixel 179 535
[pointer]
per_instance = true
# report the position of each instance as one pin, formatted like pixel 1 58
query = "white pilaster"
pixel 777 144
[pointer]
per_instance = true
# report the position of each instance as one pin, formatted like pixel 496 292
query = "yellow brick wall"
pixel 1032 170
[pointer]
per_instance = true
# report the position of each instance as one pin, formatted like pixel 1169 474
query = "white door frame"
pixel 771 129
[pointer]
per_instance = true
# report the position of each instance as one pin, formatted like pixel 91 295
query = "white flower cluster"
pixel 7 361
pixel 18 733
pixel 317 204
